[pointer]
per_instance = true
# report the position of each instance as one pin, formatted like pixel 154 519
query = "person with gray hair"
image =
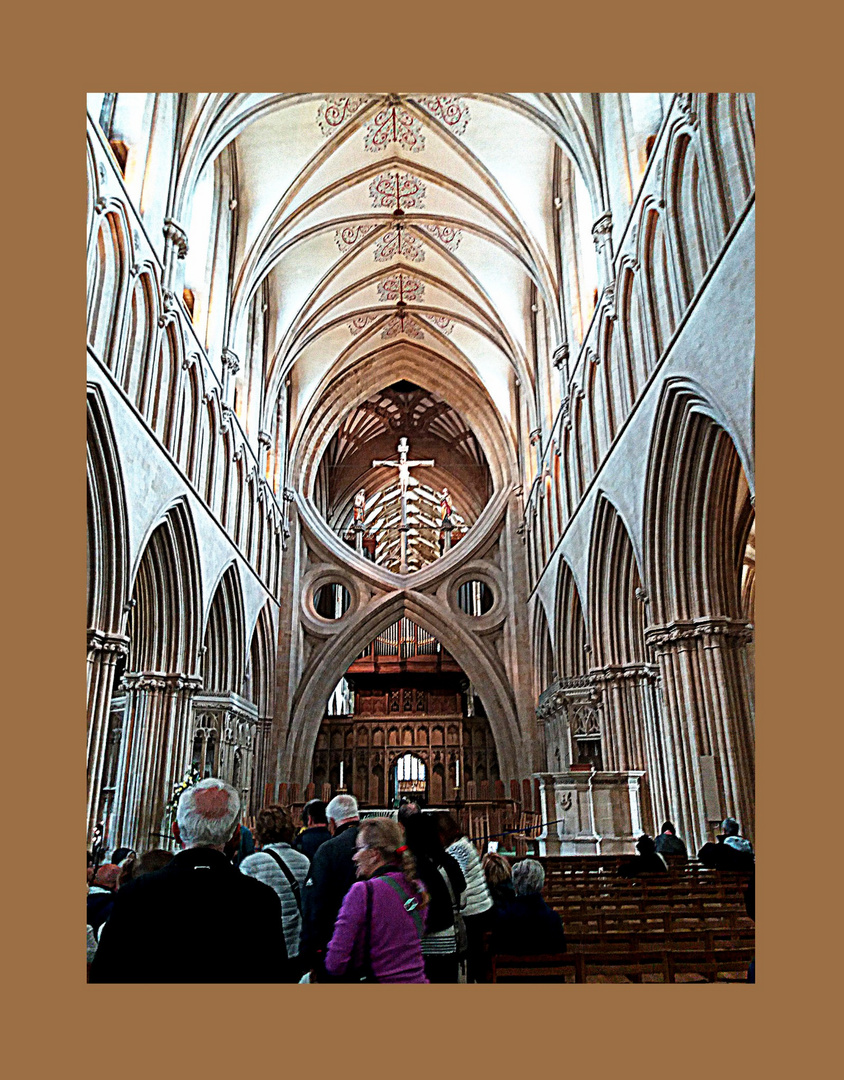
pixel 731 850
pixel 331 876
pixel 180 925
pixel 526 926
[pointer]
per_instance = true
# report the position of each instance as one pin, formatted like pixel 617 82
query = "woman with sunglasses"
pixel 379 930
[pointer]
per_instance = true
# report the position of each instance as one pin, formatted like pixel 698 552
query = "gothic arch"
pixel 693 481
pixel 224 647
pixel 544 670
pixel 164 623
pixel 695 526
pixel 108 279
pixel 324 669
pixel 615 613
pixel 108 528
pixel 570 634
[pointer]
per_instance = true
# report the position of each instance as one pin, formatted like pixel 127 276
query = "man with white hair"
pixel 198 919
pixel 331 876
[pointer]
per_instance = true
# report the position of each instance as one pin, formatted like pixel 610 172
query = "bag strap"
pixel 367 933
pixel 288 873
pixel 455 907
pixel 406 899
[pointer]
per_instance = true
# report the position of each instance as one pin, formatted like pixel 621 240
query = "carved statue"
pixel 446 507
pixel 360 506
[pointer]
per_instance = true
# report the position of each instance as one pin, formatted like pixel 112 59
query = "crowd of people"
pixel 339 899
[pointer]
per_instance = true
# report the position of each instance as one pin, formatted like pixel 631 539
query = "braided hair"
pixel 387 836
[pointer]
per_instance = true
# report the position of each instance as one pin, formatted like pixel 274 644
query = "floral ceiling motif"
pixel 441 322
pixel 360 323
pixel 399 241
pixel 350 235
pixel 450 111
pixel 397 191
pixel 401 287
pixel 334 112
pixel 393 124
pixel 448 236
pixel 398 324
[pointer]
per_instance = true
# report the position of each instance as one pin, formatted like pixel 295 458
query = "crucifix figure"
pixel 405 480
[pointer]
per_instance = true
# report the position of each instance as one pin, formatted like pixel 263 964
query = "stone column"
pixel 155 752
pixel 630 706
pixel 708 711
pixel 103 651
pixel 260 772
pixel 446 531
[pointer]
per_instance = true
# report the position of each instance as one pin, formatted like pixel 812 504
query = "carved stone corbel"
pixel 176 236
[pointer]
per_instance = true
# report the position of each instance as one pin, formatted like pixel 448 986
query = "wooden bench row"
pixel 654 965
pixel 672 940
pixel 602 922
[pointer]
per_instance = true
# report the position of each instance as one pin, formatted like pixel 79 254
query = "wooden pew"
pixel 551 967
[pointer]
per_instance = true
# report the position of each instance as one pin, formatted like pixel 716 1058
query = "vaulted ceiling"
pixel 368 219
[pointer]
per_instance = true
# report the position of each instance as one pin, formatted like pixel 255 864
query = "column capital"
pixel 101 641
pixel 683 631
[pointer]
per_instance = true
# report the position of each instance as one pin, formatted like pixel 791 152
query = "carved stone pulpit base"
pixel 590 813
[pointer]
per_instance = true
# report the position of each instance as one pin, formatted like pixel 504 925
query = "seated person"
pixel 669 843
pixel 499 878
pixel 648 861
pixel 526 926
pixel 731 850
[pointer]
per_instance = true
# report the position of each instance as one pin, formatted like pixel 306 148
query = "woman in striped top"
pixel 477 906
pixel 282 868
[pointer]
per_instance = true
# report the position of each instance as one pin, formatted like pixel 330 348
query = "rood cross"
pixel 405 479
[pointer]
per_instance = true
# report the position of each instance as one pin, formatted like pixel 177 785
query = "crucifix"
pixel 405 480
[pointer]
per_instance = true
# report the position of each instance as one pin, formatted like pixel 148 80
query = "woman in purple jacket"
pixel 397 906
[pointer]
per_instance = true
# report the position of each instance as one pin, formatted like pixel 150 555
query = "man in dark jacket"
pixel 731 851
pixel 669 843
pixel 188 921
pixel 648 861
pixel 331 876
pixel 316 831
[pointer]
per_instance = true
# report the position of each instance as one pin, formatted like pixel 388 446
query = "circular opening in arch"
pixel 475 598
pixel 331 601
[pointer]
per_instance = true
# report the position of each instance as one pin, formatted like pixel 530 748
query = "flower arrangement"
pixel 190 778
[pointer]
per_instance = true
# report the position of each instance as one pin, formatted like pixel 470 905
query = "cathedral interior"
pixel 420 456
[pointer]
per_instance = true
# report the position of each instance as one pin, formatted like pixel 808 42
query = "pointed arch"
pixel 615 614
pixel 107 282
pixel 164 622
pixel 108 527
pixel 325 668
pixel 224 645
pixel 544 668
pixel 693 484
pixel 570 629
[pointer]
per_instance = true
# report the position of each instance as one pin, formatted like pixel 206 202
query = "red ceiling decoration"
pixel 394 124
pixel 451 111
pixel 335 111
pixel 401 287
pixel 441 322
pixel 397 191
pixel 360 323
pixel 350 235
pixel 447 235
pixel 397 325
pixel 399 241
